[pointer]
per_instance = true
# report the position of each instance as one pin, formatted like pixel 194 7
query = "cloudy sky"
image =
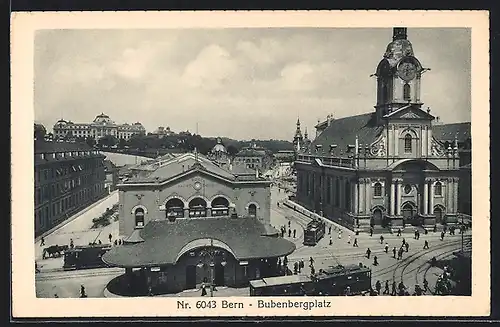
pixel 239 83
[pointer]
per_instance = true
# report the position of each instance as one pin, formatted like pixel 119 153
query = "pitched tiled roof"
pixel 161 171
pixel 447 132
pixel 342 132
pixel 163 241
pixel 50 147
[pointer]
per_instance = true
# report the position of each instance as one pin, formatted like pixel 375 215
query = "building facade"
pixel 68 177
pixel 162 132
pixel 186 220
pixel 100 127
pixel 384 169
pixel 254 157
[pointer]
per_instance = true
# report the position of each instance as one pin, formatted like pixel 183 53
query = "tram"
pixel 315 230
pixel 333 281
pixel 86 256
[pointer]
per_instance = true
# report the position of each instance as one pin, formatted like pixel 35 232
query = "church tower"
pixel 398 75
pixel 297 139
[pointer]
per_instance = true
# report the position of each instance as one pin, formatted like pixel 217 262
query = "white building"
pixel 100 127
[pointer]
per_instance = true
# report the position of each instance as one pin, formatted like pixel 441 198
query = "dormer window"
pixel 139 217
pixel 407 143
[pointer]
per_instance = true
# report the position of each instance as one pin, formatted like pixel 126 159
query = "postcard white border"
pixel 23 26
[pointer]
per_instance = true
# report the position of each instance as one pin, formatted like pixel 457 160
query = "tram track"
pixel 83 273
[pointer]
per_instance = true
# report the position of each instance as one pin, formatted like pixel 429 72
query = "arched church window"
pixel 408 143
pixel 407 92
pixel 378 189
pixel 139 217
pixel 438 189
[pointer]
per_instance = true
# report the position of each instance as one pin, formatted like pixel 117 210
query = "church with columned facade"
pixel 383 169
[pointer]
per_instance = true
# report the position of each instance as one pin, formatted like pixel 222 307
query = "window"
pixel 407 143
pixel 139 217
pixel 378 189
pixel 407 189
pixel 438 189
pixel 407 92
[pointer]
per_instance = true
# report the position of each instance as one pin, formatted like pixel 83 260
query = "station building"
pixel 385 168
pixel 186 220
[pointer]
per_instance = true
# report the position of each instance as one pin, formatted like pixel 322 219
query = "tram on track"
pixel 333 281
pixel 314 232
pixel 86 256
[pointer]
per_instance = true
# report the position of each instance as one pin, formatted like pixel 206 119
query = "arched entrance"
pixel 174 208
pixel 376 217
pixel 252 210
pixel 408 211
pixel 220 207
pixel 438 213
pixel 197 208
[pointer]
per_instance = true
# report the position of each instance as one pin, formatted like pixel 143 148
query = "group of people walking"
pixel 283 230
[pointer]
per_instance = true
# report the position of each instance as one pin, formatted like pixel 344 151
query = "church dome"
pixel 219 147
pixel 399 48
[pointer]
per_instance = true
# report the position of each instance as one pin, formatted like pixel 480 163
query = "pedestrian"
pixel 311 260
pixel 71 244
pixel 381 239
pixel 426 285
pixel 349 239
pixel 368 252
pixel 289 223
pixel 386 247
pixel 386 288
pixel 289 233
pixel 312 270
pixel 394 290
pixel 407 246
pixel 434 229
pixel 203 289
pixel 42 242
pixel 442 235
pixel 110 237
pixel 115 242
pixel 56 296
pixel 371 230
pixel 330 230
pixel 378 287
pixel 399 254
pixel 82 291
pixel 100 242
pixel 355 244
pixel 120 241
pixel 418 234
pixel 404 241
pixel 331 241
pixel 285 262
pixel 394 252
pixel 375 261
pixel 294 233
pixel 36 268
pixel 399 231
pixel 426 244
pixel 340 234
pixel 415 234
pixel 278 204
pixel 295 268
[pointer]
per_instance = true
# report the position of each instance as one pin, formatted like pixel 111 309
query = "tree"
pixel 231 149
pixel 39 132
pixel 90 141
pixel 122 143
pixel 107 141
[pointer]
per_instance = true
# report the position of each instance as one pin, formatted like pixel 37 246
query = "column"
pixel 455 194
pixel 423 141
pixel 356 200
pixel 362 195
pixel 396 141
pixel 428 140
pixel 368 196
pixel 431 200
pixel 426 195
pixel 392 197
pixel 400 190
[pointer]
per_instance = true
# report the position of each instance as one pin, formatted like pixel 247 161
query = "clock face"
pixel 197 186
pixel 407 71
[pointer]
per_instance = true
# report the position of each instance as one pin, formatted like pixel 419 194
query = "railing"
pixel 329 161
